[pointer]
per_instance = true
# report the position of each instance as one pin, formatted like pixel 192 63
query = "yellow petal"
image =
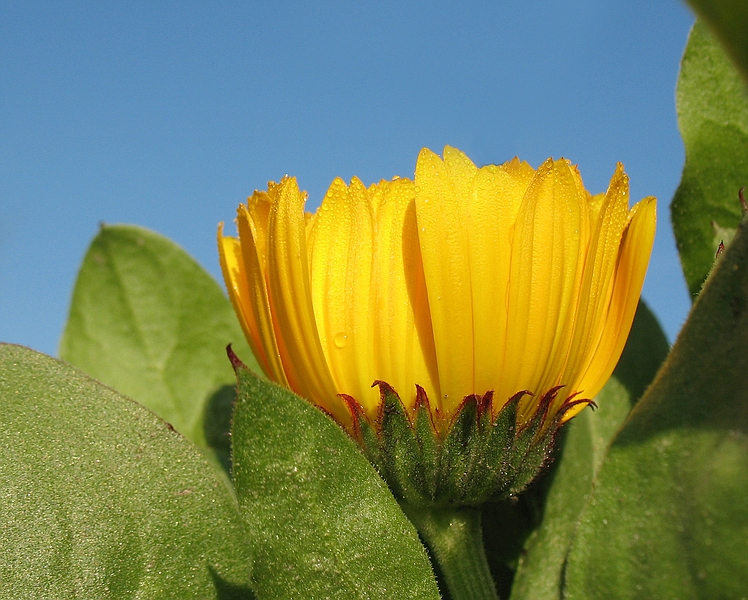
pixel 257 211
pixel 609 213
pixel 460 169
pixel 549 246
pixel 520 170
pixel 443 238
pixel 290 297
pixel 569 316
pixel 404 341
pixel 493 205
pixel 341 245
pixel 253 234
pixel 595 205
pixel 235 276
pixel 631 268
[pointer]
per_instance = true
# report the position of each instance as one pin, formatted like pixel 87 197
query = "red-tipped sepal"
pixel 478 456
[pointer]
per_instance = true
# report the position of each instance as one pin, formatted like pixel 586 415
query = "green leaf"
pixel 539 575
pixel 147 320
pixel 101 499
pixel 729 19
pixel 326 525
pixel 713 119
pixel 668 517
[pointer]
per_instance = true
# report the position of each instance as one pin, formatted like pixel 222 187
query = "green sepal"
pixel 364 433
pixel 463 447
pixel 401 451
pixel 497 451
pixel 429 443
pixel 535 442
pixel 471 459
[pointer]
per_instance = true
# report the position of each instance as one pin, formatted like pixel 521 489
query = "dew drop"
pixel 340 339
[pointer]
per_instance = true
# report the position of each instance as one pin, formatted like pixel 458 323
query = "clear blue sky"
pixel 169 114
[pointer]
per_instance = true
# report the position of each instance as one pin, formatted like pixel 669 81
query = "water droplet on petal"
pixel 340 339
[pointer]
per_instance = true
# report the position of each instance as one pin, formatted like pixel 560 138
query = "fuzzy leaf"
pixel 585 445
pixel 729 19
pixel 147 320
pixel 99 498
pixel 668 517
pixel 326 525
pixel 713 118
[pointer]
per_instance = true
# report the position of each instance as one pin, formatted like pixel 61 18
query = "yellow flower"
pixel 462 281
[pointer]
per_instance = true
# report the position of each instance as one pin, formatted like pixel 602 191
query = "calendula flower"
pixel 504 284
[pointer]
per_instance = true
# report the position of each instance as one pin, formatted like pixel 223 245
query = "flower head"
pixel 462 281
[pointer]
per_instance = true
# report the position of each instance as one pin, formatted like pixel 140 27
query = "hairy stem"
pixel 454 536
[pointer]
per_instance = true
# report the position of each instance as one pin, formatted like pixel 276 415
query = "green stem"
pixel 455 538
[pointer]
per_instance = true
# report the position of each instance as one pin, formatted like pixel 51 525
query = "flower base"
pixel 476 457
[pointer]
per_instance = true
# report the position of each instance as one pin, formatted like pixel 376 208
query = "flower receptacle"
pixel 475 456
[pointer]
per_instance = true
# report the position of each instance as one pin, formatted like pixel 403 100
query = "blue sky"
pixel 169 114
